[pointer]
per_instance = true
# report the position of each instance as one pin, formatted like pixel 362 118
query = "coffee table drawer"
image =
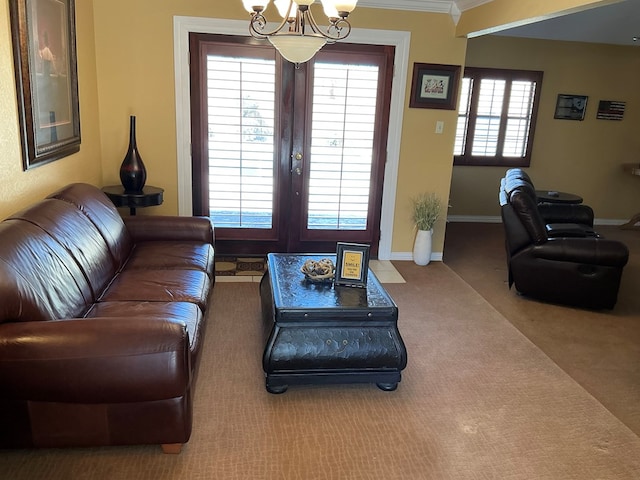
pixel 337 348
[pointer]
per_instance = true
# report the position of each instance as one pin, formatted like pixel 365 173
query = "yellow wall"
pixel 19 188
pixel 583 157
pixel 125 66
pixel 134 51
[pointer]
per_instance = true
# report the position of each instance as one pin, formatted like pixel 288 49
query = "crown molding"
pixel 469 4
pixel 434 6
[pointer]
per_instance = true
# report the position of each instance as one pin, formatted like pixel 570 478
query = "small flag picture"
pixel 610 110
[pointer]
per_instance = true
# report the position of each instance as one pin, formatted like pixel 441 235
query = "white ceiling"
pixel 615 24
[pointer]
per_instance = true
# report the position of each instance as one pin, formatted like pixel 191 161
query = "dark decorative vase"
pixel 133 174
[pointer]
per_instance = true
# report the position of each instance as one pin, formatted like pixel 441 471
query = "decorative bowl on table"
pixel 318 271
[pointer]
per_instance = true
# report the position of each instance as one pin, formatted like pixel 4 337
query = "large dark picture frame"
pixel 44 53
pixel 434 86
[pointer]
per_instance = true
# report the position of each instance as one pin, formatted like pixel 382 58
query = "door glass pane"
pixel 343 122
pixel 241 112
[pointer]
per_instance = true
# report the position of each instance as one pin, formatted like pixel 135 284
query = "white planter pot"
pixel 422 247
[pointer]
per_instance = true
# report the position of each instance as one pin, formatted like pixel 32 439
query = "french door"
pixel 288 158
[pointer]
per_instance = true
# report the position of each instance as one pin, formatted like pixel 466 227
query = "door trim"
pixel 401 40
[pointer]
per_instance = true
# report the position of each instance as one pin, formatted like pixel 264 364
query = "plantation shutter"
pixel 342 136
pixel 495 115
pixel 241 115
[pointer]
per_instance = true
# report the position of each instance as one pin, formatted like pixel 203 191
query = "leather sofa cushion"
pixel 101 212
pixel 144 285
pixel 74 231
pixel 182 312
pixel 39 278
pixel 172 255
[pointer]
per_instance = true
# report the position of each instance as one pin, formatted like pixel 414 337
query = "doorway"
pixel 287 158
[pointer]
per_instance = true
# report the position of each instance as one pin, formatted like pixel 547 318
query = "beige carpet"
pixel 599 349
pixel 478 401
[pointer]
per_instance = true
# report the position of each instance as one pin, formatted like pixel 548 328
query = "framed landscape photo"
pixel 352 264
pixel 571 107
pixel 434 86
pixel 44 54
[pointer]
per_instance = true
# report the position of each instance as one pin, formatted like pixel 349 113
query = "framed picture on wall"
pixel 571 107
pixel 44 53
pixel 611 110
pixel 434 86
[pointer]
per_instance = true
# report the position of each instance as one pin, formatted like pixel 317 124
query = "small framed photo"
pixel 352 264
pixel 571 107
pixel 434 86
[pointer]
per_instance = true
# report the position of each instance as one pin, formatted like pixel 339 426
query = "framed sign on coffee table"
pixel 44 53
pixel 352 264
pixel 434 86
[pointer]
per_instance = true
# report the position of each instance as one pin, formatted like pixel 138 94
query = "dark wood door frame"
pixel 289 205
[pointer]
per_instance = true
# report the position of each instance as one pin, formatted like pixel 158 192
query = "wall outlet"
pixel 439 126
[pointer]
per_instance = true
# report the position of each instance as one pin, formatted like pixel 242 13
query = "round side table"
pixel 545 196
pixel 148 197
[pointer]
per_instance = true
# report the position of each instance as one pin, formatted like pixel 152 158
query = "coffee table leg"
pixel 276 389
pixel 387 387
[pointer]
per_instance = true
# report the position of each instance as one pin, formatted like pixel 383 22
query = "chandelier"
pixel 299 37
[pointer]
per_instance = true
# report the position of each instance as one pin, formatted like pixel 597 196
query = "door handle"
pixel 298 157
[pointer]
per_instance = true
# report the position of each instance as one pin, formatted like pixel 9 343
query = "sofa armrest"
pixel 587 250
pixel 146 228
pixel 94 360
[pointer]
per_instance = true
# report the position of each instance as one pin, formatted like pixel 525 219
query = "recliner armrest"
pixel 94 360
pixel 570 230
pixel 566 213
pixel 146 228
pixel 588 250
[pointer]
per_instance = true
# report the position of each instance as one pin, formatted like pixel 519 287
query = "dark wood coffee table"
pixel 318 333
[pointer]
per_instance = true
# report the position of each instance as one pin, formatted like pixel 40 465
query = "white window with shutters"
pixel 496 117
pixel 342 136
pixel 241 116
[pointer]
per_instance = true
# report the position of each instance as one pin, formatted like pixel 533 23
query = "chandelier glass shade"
pixel 298 37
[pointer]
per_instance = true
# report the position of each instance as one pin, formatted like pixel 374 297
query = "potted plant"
pixel 426 210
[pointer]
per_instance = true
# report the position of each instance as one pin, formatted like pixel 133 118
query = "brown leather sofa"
pixel 102 321
pixel 577 268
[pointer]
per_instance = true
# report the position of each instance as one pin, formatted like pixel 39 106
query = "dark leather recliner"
pixel 561 220
pixel 582 271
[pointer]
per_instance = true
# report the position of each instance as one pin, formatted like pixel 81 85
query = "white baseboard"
pixel 473 219
pixel 605 221
pixel 496 219
pixel 435 256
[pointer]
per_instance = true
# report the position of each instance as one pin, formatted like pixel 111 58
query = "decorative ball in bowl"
pixel 322 270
